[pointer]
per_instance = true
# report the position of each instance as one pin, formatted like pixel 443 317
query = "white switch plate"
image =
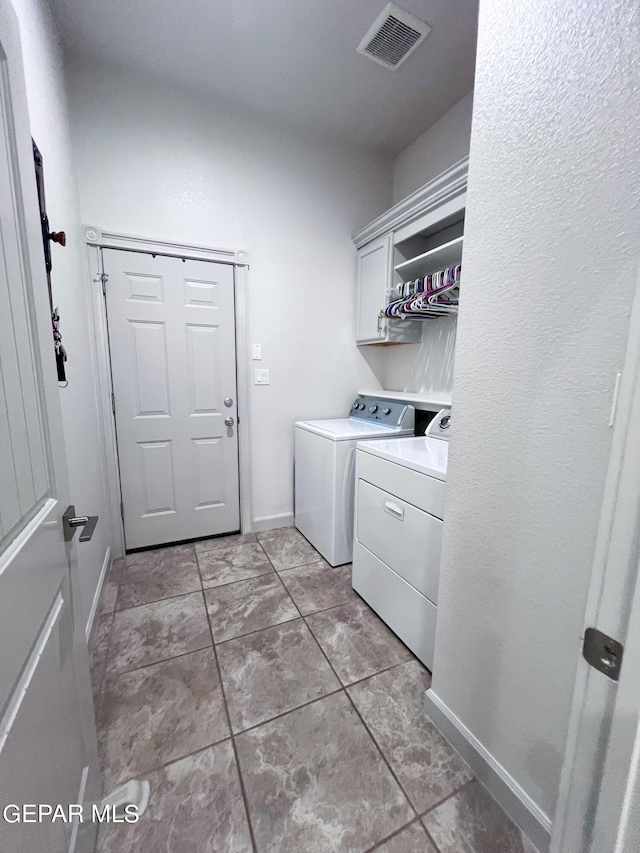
pixel 261 376
pixel 257 352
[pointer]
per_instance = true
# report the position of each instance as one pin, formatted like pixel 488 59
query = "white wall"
pixel 50 128
pixel 550 261
pixel 439 147
pixel 167 164
pixel 426 367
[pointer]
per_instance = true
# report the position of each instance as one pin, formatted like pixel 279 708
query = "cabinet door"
pixel 373 280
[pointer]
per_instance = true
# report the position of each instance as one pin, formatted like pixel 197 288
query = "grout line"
pixel 429 836
pixel 377 672
pixel 448 797
pixel 256 631
pixel 387 838
pixel 228 717
pixel 156 600
pixel 118 673
pixel 289 711
pixel 353 705
pixel 270 571
pixel 329 567
pixel 147 771
pixel 301 565
pixel 384 757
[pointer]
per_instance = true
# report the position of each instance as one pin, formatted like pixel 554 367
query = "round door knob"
pixel 228 421
pixel 228 402
pixel 373 409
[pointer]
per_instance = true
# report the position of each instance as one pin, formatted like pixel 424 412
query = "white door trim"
pixel 97 239
pixel 614 576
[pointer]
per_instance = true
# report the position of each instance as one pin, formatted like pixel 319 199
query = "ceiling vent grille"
pixel 393 37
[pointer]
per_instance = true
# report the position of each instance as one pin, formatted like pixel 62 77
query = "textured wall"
pixel 550 258
pixel 161 163
pixel 50 128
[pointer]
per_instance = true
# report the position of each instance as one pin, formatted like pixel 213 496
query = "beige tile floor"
pixel 272 711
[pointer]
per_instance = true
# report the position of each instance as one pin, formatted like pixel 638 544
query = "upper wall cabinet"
pixel 428 224
pixel 374 271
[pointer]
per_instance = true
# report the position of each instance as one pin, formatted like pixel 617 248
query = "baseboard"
pixel 513 799
pixel 96 597
pixel 272 522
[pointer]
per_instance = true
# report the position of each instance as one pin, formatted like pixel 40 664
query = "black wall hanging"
pixel 47 238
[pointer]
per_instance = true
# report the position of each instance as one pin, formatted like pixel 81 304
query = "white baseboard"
pixel 96 598
pixel 272 522
pixel 513 799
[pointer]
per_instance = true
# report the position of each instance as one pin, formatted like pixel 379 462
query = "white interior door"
pixel 173 363
pixel 47 734
pixel 598 808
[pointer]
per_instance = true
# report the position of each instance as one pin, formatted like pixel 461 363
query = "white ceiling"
pixel 294 60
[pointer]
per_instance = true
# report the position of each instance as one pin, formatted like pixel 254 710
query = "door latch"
pixel 70 521
pixel 603 652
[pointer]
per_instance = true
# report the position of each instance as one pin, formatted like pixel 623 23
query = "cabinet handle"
pixel 394 510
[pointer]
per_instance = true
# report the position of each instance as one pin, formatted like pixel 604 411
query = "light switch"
pixel 261 377
pixel 257 352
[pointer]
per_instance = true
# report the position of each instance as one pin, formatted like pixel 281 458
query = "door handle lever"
pixel 70 521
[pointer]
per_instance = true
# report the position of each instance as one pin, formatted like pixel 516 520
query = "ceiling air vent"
pixel 393 36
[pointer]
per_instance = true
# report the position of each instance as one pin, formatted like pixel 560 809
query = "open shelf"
pixel 429 262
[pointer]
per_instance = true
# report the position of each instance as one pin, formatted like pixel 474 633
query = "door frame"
pixel 97 239
pixel 584 807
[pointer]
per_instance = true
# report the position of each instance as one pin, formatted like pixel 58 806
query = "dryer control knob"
pixel 373 409
pixel 386 411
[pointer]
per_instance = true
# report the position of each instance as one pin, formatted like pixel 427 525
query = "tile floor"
pixel 272 711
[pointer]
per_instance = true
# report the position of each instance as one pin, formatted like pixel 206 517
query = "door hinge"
pixel 103 278
pixel 603 652
pixel 121 510
pixel 113 402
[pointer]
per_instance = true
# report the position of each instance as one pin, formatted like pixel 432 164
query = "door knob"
pixel 70 521
pixel 228 402
pixel 228 421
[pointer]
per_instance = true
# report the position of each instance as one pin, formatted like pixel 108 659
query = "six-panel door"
pixel 172 340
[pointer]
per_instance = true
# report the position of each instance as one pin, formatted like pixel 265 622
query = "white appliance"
pixel 325 470
pixel 399 507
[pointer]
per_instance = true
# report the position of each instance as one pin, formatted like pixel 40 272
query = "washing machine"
pixel 325 470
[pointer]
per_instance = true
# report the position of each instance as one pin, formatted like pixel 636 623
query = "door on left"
pixel 48 752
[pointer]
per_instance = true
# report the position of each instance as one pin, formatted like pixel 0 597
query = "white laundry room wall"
pixel 166 163
pixel 553 215
pixel 428 366
pixel 440 146
pixel 50 129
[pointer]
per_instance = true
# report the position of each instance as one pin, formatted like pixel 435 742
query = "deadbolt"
pixel 228 421
pixel 228 402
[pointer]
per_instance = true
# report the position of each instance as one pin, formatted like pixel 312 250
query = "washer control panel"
pixel 440 426
pixel 389 412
